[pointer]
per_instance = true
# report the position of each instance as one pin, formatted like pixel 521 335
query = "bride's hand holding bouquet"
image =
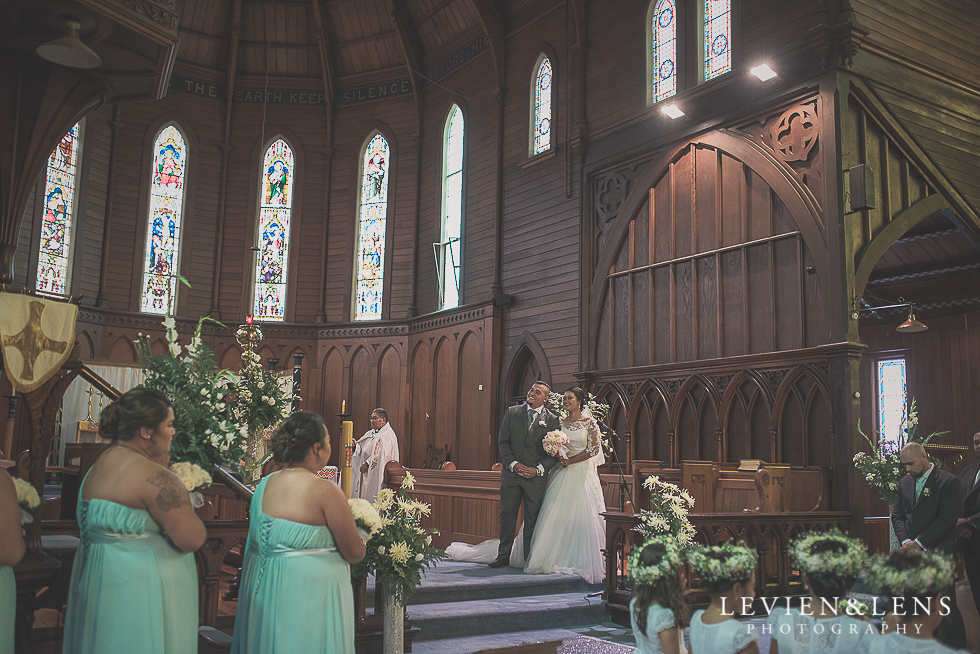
pixel 555 443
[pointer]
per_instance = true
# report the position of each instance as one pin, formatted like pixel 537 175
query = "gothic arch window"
pixel 716 31
pixel 58 213
pixel 452 209
pixel 662 59
pixel 164 224
pixel 372 221
pixel 541 110
pixel 272 238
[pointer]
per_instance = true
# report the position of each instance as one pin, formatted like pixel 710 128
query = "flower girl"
pixel 917 583
pixel 727 572
pixel 658 613
pixel 830 563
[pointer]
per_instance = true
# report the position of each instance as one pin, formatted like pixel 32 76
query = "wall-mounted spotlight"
pixel 764 72
pixel 673 111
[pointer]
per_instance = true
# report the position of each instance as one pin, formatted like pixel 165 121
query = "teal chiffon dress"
pixel 131 589
pixel 8 602
pixel 296 594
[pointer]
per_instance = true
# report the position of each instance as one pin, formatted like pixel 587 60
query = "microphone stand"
pixel 624 486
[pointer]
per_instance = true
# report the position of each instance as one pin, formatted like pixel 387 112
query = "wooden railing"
pixel 768 533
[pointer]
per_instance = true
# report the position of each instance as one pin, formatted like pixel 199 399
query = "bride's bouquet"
pixel 555 443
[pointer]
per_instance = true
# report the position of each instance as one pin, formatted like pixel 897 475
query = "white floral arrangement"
pixel 365 517
pixel 848 563
pixel 669 565
pixel 910 574
pixel 555 442
pixel 401 549
pixel 671 506
pixel 722 563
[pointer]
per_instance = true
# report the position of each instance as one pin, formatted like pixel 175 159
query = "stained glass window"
pixel 452 216
pixel 892 399
pixel 275 207
pixel 164 229
pixel 56 222
pixel 542 107
pixel 663 50
pixel 717 29
pixel 370 256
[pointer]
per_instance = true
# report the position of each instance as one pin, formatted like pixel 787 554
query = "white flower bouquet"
pixel 555 442
pixel 671 506
pixel 27 498
pixel 193 477
pixel 365 517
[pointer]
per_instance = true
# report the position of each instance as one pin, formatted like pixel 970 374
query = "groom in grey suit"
pixel 525 467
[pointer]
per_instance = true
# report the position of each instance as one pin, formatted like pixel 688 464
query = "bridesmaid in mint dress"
pixel 11 551
pixel 134 582
pixel 296 593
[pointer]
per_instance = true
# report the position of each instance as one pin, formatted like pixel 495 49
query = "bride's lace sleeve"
pixel 595 438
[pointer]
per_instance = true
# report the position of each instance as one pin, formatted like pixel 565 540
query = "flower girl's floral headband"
pixel 669 564
pixel 725 562
pixel 848 563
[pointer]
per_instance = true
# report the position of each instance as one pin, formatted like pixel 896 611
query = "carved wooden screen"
pixel 712 266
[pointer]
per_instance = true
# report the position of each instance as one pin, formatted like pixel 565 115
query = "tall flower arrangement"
pixel 262 401
pixel 669 517
pixel 206 432
pixel 883 468
pixel 399 551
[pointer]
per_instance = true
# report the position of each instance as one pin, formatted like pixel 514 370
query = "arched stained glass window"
pixel 452 213
pixel 59 209
pixel 663 50
pixel 717 29
pixel 542 107
pixel 372 219
pixel 275 208
pixel 164 225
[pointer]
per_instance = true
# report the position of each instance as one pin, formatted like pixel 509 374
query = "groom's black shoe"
pixel 499 562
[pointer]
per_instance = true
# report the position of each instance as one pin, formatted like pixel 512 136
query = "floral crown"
pixel 668 565
pixel 843 564
pixel 735 563
pixel 932 574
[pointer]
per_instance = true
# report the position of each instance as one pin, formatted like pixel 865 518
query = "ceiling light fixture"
pixel 911 326
pixel 673 111
pixel 69 50
pixel 763 72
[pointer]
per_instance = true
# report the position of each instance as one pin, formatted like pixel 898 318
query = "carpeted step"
pixel 454 619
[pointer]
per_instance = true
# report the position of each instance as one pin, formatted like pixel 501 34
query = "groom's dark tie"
pixel 530 417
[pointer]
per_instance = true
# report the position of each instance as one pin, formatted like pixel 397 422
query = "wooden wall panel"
pixel 444 383
pixel 332 395
pixel 473 447
pixel 421 400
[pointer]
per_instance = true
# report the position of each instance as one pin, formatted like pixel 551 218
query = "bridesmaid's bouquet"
pixel 555 443
pixel 27 498
pixel 194 478
pixel 365 517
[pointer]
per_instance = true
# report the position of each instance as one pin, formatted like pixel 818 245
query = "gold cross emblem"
pixel 31 341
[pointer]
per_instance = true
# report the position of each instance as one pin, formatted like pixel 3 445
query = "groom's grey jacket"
pixel 517 442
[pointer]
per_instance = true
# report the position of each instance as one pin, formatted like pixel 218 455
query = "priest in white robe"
pixel 372 452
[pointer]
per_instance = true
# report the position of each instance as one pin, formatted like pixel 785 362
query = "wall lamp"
pixel 910 326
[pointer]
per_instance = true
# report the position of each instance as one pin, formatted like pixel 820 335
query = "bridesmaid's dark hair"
pixel 296 435
pixel 665 591
pixel 137 407
pixel 829 584
pixel 579 395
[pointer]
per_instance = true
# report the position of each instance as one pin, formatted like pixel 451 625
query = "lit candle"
pixel 343 406
pixel 248 319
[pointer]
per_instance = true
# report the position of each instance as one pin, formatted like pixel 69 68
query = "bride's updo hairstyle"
pixel 138 407
pixel 579 395
pixel 295 436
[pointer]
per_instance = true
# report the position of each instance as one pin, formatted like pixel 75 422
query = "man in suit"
pixel 924 517
pixel 525 467
pixel 969 523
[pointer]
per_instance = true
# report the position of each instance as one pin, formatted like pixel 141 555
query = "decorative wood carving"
pixel 795 133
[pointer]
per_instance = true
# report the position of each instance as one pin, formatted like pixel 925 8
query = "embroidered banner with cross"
pixel 37 335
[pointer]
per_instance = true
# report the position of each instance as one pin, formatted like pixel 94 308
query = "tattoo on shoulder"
pixel 170 496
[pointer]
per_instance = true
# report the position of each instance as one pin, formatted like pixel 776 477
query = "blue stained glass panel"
pixel 892 400
pixel 370 256
pixel 542 107
pixel 664 50
pixel 164 224
pixel 56 221
pixel 717 38
pixel 275 211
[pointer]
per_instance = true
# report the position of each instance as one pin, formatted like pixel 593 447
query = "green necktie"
pixel 919 485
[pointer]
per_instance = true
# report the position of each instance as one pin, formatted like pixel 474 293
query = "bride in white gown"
pixel 570 531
